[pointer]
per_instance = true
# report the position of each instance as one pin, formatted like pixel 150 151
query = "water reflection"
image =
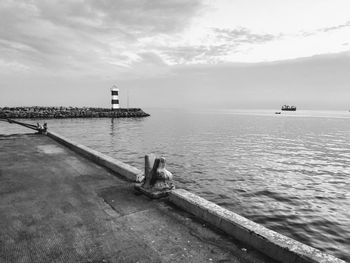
pixel 112 133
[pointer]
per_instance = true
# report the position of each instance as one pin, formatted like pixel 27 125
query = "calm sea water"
pixel 289 172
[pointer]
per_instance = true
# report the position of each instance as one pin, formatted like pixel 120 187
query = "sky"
pixel 176 53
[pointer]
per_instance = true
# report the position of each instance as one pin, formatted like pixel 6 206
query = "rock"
pixel 70 112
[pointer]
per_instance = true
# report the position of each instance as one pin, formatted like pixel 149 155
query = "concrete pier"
pixel 57 206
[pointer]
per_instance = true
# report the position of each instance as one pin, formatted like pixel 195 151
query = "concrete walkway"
pixel 56 206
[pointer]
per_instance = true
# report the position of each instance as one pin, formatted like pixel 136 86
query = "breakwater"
pixel 69 112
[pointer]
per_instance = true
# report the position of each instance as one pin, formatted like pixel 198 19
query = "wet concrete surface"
pixel 56 206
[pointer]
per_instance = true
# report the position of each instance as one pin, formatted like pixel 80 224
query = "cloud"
pixel 127 18
pixel 111 37
pixel 242 35
pixel 332 28
pixel 219 44
pixel 144 17
pixel 85 34
pixel 326 29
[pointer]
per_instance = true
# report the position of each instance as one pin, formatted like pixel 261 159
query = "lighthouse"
pixel 115 98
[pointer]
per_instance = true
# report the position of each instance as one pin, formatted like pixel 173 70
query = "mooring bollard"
pixel 158 180
pixel 149 162
pixel 42 129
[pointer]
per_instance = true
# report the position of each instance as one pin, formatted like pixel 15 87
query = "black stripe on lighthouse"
pixel 115 101
pixel 114 92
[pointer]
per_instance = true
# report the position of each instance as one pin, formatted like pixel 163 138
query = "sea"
pixel 289 172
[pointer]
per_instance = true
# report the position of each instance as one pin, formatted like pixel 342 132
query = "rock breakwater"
pixel 69 112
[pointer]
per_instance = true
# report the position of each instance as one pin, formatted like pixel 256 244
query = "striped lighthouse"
pixel 115 98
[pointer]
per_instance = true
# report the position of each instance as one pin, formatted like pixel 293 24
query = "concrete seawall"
pixel 272 244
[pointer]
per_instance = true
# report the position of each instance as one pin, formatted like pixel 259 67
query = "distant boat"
pixel 288 108
pixel 277 112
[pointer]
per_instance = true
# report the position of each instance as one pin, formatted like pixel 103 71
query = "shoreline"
pixel 38 112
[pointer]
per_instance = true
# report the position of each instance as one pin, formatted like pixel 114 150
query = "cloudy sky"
pixel 176 53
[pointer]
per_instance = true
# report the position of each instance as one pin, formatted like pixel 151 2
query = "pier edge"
pixel 127 171
pixel 269 242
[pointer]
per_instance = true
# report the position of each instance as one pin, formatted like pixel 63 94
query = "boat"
pixel 277 112
pixel 288 108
